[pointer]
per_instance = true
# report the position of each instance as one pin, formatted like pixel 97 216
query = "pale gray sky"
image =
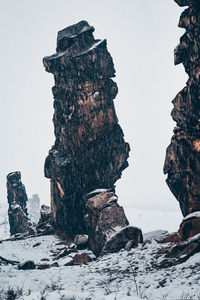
pixel 141 36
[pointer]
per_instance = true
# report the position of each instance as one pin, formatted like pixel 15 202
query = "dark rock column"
pixel 16 191
pixel 182 163
pixel 17 198
pixel 89 151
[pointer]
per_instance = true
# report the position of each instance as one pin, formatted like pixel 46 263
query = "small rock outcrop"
pixel 17 198
pixel 89 151
pixel 182 163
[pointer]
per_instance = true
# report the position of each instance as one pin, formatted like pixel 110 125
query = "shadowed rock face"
pixel 182 163
pixel 89 150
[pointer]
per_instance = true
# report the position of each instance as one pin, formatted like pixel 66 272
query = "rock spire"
pixel 17 198
pixel 182 163
pixel 89 151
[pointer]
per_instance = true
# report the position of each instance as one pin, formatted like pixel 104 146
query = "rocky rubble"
pixel 89 153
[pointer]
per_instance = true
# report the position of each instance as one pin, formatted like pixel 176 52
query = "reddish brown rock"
pixel 107 224
pixel 89 151
pixel 120 239
pixel 181 251
pixel 170 238
pixel 81 258
pixel 182 163
pixel 190 226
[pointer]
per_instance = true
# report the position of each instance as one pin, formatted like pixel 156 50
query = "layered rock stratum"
pixel 89 153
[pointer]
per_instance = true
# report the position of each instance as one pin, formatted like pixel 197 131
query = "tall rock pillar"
pixel 182 163
pixel 17 198
pixel 89 151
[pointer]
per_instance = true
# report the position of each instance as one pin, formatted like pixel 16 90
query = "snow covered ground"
pixel 153 215
pixel 4 226
pixel 121 276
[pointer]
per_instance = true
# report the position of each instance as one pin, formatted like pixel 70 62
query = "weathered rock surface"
pixel 182 163
pixel 19 222
pixel 107 224
pixel 190 226
pixel 17 198
pixel 16 192
pixel 89 151
pixel 46 224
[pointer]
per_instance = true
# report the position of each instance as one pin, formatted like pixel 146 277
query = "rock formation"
pixel 17 198
pixel 182 163
pixel 46 222
pixel 33 206
pixel 107 224
pixel 89 151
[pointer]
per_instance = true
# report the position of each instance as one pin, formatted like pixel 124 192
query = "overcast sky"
pixel 141 37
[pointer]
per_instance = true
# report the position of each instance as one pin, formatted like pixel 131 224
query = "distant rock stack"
pixel 182 163
pixel 89 152
pixel 33 205
pixel 17 198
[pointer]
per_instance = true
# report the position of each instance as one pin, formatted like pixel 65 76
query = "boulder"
pixel 45 214
pixel 27 265
pixel 126 237
pixel 19 222
pixel 107 224
pixel 81 241
pixel 81 258
pixel 190 226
